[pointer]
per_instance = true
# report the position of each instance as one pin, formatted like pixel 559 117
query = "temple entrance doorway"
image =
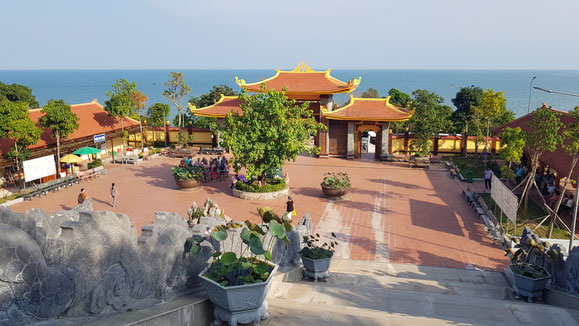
pixel 368 142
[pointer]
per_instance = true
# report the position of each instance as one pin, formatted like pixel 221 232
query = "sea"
pixel 80 86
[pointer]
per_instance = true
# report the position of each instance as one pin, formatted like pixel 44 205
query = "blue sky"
pixel 355 34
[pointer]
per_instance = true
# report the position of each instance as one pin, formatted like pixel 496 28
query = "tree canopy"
pixel 158 113
pixel 272 130
pixel 430 117
pixel 120 103
pixel 59 117
pixel 466 98
pixel 370 93
pixel 399 98
pixel 15 124
pixel 175 90
pixel 18 93
pixel 513 142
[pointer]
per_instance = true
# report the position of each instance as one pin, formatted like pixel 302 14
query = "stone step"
pixel 448 287
pixel 341 300
pixel 416 272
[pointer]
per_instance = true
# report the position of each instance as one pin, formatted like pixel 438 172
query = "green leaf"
pixel 255 246
pixel 224 283
pixel 261 268
pixel 195 249
pixel 219 235
pixel 267 255
pixel 287 225
pixel 245 235
pixel 285 240
pixel 276 229
pixel 216 254
pixel 228 258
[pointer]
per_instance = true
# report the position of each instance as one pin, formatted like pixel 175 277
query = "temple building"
pixel 345 125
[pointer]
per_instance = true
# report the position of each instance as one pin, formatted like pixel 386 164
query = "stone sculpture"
pixel 85 264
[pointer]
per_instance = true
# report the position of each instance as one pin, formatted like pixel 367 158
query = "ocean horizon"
pixel 80 86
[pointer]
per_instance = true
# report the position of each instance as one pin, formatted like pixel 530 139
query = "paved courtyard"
pixel 392 213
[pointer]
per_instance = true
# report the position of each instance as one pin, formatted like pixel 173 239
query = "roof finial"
pixel 303 66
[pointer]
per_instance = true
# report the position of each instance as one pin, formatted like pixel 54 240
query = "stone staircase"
pixel 379 293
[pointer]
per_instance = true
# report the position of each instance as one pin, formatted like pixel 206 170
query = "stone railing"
pixel 83 264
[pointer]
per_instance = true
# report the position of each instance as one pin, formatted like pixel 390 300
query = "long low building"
pixel 96 129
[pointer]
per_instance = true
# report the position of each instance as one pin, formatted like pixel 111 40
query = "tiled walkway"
pixel 391 213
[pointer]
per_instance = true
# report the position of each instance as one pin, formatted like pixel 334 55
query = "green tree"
pixel 571 146
pixel 120 103
pixel 370 93
pixel 543 135
pixel 59 117
pixel 463 118
pixel 399 98
pixel 271 130
pixel 157 115
pixel 490 106
pixel 18 93
pixel 175 90
pixel 430 117
pixel 139 100
pixel 513 142
pixel 15 124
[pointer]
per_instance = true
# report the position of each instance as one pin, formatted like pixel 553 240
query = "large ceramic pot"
pixel 317 268
pixel 530 287
pixel 238 304
pixel 188 184
pixel 334 192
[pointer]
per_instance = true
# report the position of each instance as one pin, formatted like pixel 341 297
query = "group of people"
pixel 215 168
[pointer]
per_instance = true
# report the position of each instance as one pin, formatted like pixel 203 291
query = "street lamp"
pixel 574 222
pixel 530 89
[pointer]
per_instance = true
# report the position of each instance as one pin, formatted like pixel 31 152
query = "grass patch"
pixel 10 197
pixel 535 215
pixel 474 163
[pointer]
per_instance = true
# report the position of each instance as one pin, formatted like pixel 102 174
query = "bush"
pixel 336 180
pixel 188 173
pixel 252 186
pixel 96 163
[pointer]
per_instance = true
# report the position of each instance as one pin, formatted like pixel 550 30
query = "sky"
pixel 258 34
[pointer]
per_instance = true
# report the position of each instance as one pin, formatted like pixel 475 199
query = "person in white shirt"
pixel 488 178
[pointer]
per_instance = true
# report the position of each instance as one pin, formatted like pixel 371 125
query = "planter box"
pixel 238 304
pixel 188 184
pixel 334 192
pixel 530 287
pixel 317 269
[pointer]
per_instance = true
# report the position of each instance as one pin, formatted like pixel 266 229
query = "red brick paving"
pixel 391 212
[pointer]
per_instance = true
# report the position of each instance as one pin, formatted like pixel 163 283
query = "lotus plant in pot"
pixel 237 281
pixel 317 257
pixel 335 184
pixel 529 276
pixel 188 177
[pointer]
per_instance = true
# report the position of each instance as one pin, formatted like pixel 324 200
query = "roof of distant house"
pixel 558 159
pixel 92 120
pixel 369 109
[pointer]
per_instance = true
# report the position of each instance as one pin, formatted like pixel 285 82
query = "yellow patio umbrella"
pixel 70 158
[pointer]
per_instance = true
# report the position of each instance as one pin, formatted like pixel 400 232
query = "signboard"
pixel 505 199
pixel 99 138
pixel 39 168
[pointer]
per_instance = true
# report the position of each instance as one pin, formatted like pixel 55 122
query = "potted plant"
pixel 530 278
pixel 335 184
pixel 317 258
pixel 188 177
pixel 237 281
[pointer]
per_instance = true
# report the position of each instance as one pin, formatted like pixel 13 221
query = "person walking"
pixel 81 196
pixel 289 208
pixel 519 174
pixel 114 194
pixel 488 178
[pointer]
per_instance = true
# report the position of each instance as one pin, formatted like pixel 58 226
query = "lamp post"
pixel 530 89
pixel 574 221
